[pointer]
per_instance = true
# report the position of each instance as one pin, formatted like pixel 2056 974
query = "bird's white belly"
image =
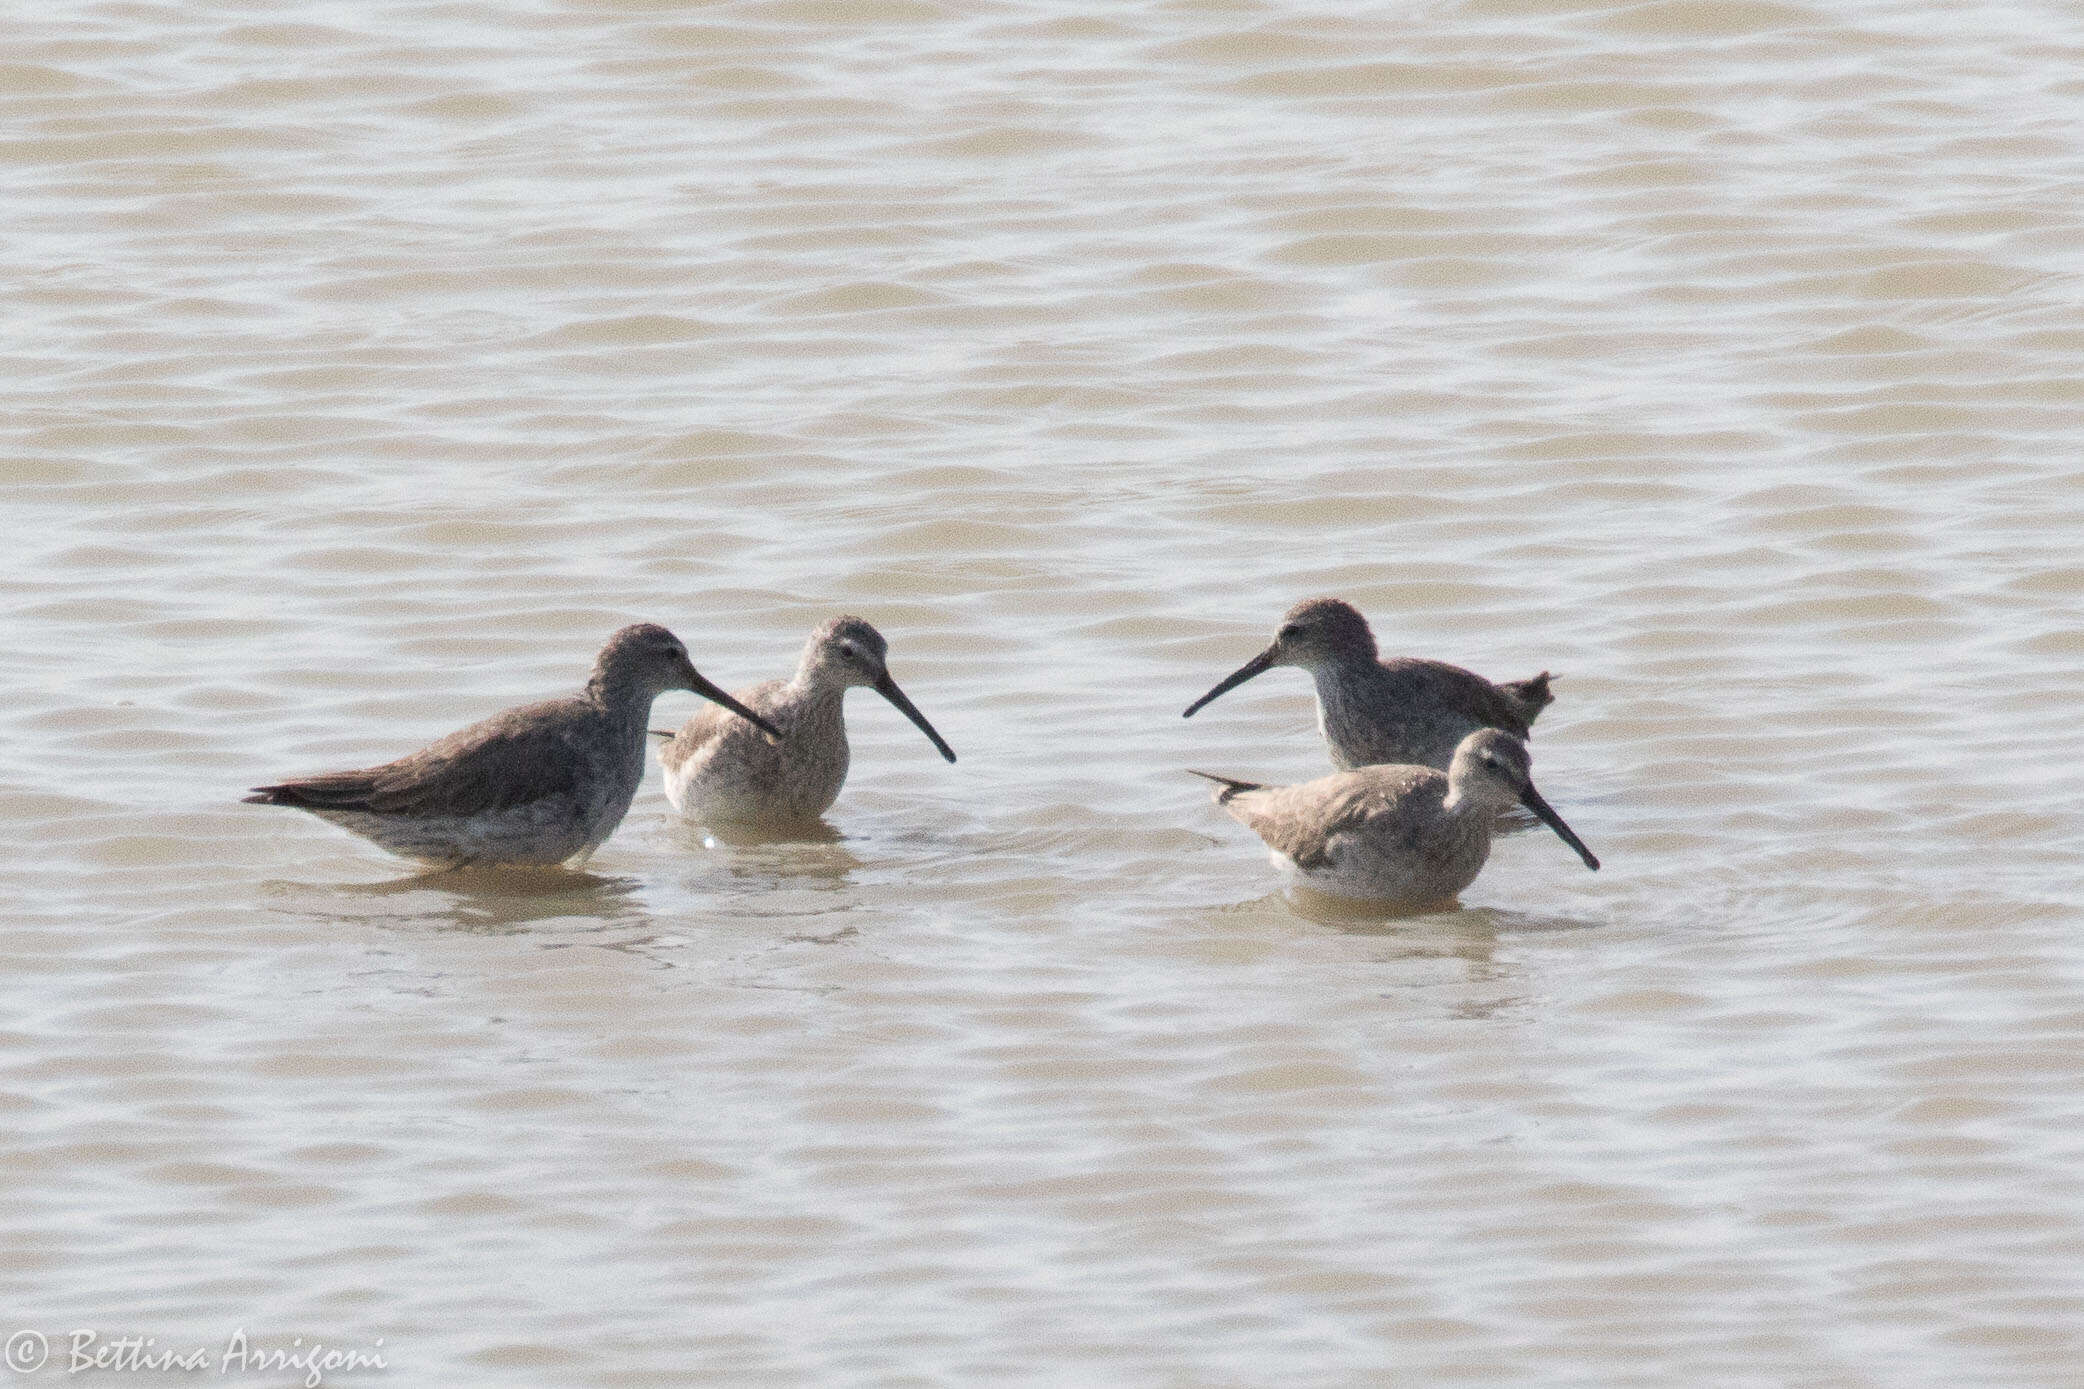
pixel 753 789
pixel 1332 879
pixel 1362 872
pixel 542 833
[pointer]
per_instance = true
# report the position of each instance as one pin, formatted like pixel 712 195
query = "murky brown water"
pixel 366 365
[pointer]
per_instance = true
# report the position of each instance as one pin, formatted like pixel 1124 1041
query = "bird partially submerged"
pixel 1403 836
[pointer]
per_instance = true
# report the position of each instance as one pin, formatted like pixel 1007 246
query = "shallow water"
pixel 367 365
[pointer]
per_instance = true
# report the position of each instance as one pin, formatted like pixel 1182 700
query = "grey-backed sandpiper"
pixel 1401 711
pixel 542 784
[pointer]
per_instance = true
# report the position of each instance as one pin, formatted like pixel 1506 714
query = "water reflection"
pixel 810 856
pixel 489 901
pixel 1356 916
pixel 752 836
pixel 1505 919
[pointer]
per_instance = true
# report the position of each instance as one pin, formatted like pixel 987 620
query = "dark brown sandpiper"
pixel 1401 711
pixel 1405 837
pixel 539 785
pixel 718 769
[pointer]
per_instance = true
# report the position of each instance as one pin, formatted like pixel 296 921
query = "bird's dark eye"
pixel 849 650
pixel 1290 632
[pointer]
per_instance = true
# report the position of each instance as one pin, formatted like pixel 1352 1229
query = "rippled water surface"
pixel 365 365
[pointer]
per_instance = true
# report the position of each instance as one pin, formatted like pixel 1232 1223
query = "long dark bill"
pixel 1258 665
pixel 1531 799
pixel 887 688
pixel 703 686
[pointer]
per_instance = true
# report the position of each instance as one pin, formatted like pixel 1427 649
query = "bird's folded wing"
pixel 512 759
pixel 1451 687
pixel 1303 822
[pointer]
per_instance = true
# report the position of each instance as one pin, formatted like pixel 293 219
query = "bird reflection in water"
pixel 812 850
pixel 485 901
pixel 1357 916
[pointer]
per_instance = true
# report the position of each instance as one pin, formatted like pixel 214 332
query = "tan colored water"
pixel 366 365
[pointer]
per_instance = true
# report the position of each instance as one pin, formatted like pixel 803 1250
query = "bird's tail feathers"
pixel 339 791
pixel 1230 784
pixel 1532 695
